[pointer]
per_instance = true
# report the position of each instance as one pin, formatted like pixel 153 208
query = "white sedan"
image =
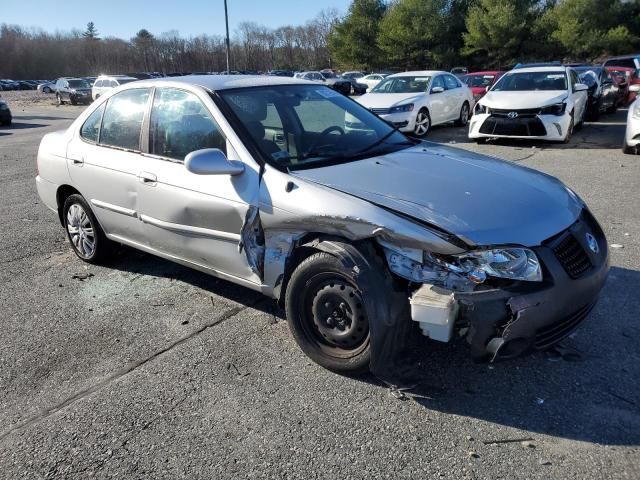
pixel 372 80
pixel 543 103
pixel 415 101
pixel 632 134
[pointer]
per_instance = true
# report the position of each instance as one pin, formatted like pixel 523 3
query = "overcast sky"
pixel 123 18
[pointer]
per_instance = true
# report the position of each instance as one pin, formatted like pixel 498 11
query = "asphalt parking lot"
pixel 147 369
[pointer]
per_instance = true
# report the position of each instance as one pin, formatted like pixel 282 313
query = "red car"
pixel 479 81
pixel 625 77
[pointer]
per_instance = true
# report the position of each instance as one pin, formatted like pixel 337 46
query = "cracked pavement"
pixel 146 369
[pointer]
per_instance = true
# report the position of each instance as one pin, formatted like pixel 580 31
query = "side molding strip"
pixel 114 208
pixel 190 230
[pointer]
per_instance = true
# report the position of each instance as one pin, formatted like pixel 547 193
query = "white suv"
pixel 104 83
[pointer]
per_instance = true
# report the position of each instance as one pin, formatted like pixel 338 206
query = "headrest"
pixel 256 130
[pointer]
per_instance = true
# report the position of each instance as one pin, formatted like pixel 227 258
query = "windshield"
pixel 404 84
pixel 308 126
pixel 79 84
pixel 526 81
pixel 479 80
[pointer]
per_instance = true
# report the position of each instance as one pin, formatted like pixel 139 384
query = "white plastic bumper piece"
pixel 435 309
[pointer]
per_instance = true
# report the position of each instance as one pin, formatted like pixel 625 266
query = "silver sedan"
pixel 366 236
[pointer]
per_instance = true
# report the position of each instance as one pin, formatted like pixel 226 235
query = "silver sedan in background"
pixel 366 236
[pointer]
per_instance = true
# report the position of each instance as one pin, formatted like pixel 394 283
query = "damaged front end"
pixel 506 301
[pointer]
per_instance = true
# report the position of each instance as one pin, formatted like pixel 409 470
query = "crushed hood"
pixel 519 100
pixel 482 200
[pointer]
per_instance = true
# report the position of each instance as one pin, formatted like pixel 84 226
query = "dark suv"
pixel 75 90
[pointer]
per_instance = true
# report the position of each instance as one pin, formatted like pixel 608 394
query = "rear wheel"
pixel 84 232
pixel 629 150
pixel 423 123
pixel 46 90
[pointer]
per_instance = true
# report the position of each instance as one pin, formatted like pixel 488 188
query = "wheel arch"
pixel 64 192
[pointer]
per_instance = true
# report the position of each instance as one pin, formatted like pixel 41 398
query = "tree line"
pixel 33 53
pixel 371 35
pixel 417 34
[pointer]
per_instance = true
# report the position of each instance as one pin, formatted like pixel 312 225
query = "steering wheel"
pixel 323 134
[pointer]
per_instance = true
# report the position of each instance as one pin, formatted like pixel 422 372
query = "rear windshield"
pixel 79 84
pixel 479 80
pixel 529 81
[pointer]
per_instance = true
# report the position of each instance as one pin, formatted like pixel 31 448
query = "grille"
pixel 572 256
pixel 547 336
pixel 527 112
pixel 520 127
pixel 380 111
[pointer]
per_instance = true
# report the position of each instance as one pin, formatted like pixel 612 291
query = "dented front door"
pixel 197 218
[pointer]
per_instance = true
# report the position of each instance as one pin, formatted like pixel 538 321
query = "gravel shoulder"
pixel 147 369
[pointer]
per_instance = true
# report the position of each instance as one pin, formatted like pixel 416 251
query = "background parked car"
pixel 105 83
pixel 629 61
pixel 626 77
pixel 480 82
pixel 332 80
pixel 354 75
pixel 47 87
pixel 5 113
pixel 540 102
pixel 602 90
pixel 8 84
pixel 75 90
pixel 415 101
pixel 632 133
pixel 372 79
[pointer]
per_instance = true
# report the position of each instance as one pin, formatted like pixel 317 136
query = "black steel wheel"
pixel 327 315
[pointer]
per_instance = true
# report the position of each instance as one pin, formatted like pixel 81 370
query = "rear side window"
pixel 181 124
pixel 90 130
pixel 122 120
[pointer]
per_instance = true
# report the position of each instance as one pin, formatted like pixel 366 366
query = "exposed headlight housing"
pixel 479 109
pixel 555 109
pixel 514 263
pixel 402 108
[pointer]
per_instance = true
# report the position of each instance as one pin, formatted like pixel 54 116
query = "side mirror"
pixel 437 90
pixel 580 87
pixel 212 161
pixel 634 88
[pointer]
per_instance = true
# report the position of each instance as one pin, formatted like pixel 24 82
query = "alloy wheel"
pixel 423 123
pixel 81 231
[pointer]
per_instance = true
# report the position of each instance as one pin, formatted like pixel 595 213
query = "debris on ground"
pixel 539 400
pixel 563 352
pixel 474 455
pixel 507 440
pixel 528 444
pixel 82 276
pixel 544 461
pixel 616 245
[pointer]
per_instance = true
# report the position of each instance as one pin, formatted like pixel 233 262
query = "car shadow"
pixel 39 117
pixel 22 126
pixel 585 389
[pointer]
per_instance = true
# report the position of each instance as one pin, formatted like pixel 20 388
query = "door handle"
pixel 77 161
pixel 147 178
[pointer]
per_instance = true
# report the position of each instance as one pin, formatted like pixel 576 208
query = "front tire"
pixel 628 149
pixel 463 119
pixel 423 123
pixel 46 90
pixel 567 138
pixel 84 232
pixel 327 315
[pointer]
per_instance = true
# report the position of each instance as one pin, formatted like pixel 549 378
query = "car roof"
pixel 224 82
pixel 486 72
pixel 555 68
pixel 417 73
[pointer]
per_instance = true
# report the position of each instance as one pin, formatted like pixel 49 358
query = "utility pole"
pixel 226 21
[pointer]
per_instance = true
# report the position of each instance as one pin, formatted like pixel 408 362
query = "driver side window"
pixel 181 124
pixel 438 82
